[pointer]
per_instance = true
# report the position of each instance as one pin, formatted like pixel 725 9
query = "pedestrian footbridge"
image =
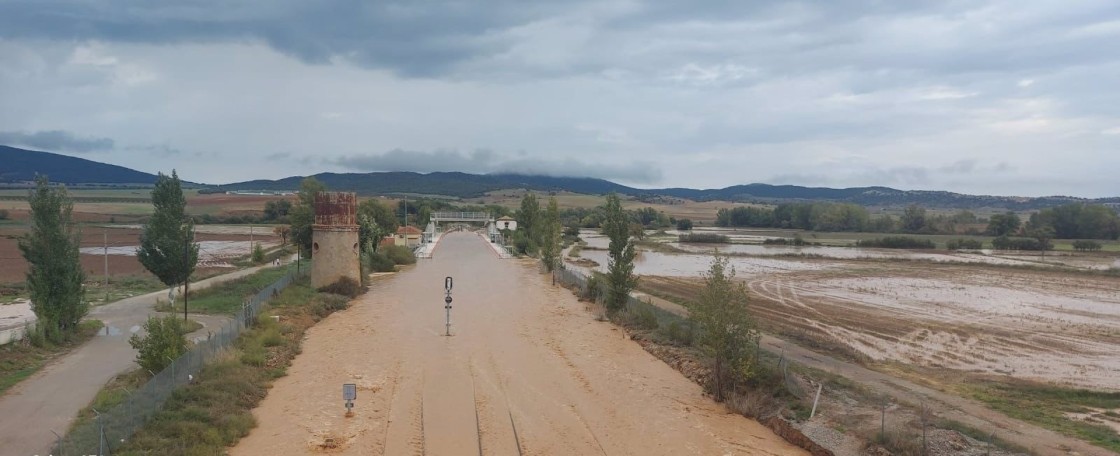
pixel 440 221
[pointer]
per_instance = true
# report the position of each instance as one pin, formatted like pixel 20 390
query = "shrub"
pixel 1086 246
pixel 704 238
pixel 164 340
pixel 4 214
pixel 679 332
pixel 1009 243
pixel 258 254
pixel 640 317
pixel 399 254
pixel 324 305
pixel 966 244
pixel 379 262
pixel 345 286
pixel 797 241
pixel 897 242
pixel 595 287
pixel 684 225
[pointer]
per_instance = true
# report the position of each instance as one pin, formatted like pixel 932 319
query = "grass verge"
pixel 19 359
pixel 226 297
pixel 215 412
pixel 1053 408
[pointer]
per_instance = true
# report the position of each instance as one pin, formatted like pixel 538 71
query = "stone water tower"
pixel 334 239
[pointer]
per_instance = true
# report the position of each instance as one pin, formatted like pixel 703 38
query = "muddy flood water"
pixel 526 371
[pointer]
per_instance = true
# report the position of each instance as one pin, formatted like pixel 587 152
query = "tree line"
pixel 1070 221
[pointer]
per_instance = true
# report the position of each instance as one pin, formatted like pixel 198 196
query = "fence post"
pixel 820 386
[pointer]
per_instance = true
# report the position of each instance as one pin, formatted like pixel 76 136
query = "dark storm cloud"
pixel 484 161
pixel 411 38
pixel 55 141
pixel 435 38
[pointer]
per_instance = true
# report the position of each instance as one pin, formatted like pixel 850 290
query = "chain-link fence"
pixel 114 426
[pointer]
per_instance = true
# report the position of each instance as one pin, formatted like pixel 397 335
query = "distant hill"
pixel 19 165
pixel 460 185
pixel 464 185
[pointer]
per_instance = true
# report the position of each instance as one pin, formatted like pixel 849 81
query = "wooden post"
pixel 814 412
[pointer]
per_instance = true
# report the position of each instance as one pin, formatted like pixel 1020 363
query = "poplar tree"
pixel 550 236
pixel 54 275
pixel 620 266
pixel 167 247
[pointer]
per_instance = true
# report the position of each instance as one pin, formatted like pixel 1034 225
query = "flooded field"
pixel 1092 261
pixel 526 371
pixel 1061 327
pixel 219 245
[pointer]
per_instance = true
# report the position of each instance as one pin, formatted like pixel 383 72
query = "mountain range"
pixel 18 165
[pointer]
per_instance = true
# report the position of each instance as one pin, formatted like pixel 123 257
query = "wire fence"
pixel 673 321
pixel 113 427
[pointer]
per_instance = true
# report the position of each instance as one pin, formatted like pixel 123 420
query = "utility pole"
pixel 187 278
pixel 105 235
pixel 250 240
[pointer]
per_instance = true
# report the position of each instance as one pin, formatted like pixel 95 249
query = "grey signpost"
pixel 349 394
pixel 447 302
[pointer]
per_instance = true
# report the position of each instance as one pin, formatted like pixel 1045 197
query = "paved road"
pixel 1044 442
pixel 51 398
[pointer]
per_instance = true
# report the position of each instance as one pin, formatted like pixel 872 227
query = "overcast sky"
pixel 1016 97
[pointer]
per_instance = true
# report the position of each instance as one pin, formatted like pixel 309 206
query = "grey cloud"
pixel 860 174
pixel 483 161
pixel 160 150
pixel 412 38
pixel 440 38
pixel 55 141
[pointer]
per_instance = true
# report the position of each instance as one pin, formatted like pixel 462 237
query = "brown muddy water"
pixel 527 370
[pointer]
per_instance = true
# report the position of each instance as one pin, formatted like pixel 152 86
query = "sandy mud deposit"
pixel 1050 326
pixel 527 371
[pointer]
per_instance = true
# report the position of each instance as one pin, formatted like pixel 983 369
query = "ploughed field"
pixel 217 249
pixel 1055 326
pixel 527 371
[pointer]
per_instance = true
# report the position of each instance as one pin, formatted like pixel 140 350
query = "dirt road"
pixel 51 398
pixel 526 371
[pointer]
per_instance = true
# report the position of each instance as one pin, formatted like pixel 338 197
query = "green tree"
pixel 913 219
pixel 164 340
pixel 302 214
pixel 528 217
pixel 684 225
pixel 258 253
pixel 167 247
pixel 728 333
pixel 1042 234
pixel 550 235
pixel 620 266
pixel 1004 224
pixel 54 274
pixel 276 210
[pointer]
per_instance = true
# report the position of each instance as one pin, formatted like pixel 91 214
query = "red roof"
pixel 409 230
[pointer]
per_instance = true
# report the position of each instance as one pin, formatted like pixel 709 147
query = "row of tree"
pixel 539 231
pixel 1070 221
pixel 726 330
pixel 51 247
